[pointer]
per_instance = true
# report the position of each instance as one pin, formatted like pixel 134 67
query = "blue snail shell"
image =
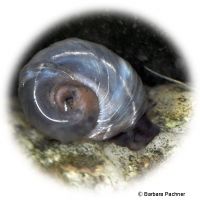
pixel 117 98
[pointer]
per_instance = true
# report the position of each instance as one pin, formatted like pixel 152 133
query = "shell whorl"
pixel 78 71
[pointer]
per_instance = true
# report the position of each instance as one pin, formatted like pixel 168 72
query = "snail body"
pixel 77 89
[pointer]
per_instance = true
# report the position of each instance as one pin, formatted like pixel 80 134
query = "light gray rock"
pixel 93 164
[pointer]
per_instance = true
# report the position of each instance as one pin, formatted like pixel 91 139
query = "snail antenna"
pixel 184 85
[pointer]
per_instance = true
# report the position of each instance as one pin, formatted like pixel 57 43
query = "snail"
pixel 76 89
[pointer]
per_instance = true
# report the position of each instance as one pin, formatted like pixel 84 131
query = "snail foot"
pixel 137 138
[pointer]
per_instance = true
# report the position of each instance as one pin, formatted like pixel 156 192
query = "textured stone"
pixel 93 164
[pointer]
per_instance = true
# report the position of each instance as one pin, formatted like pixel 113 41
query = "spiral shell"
pixel 77 89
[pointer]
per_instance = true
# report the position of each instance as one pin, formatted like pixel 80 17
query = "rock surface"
pixel 93 164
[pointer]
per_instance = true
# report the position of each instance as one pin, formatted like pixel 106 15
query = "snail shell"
pixel 77 89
